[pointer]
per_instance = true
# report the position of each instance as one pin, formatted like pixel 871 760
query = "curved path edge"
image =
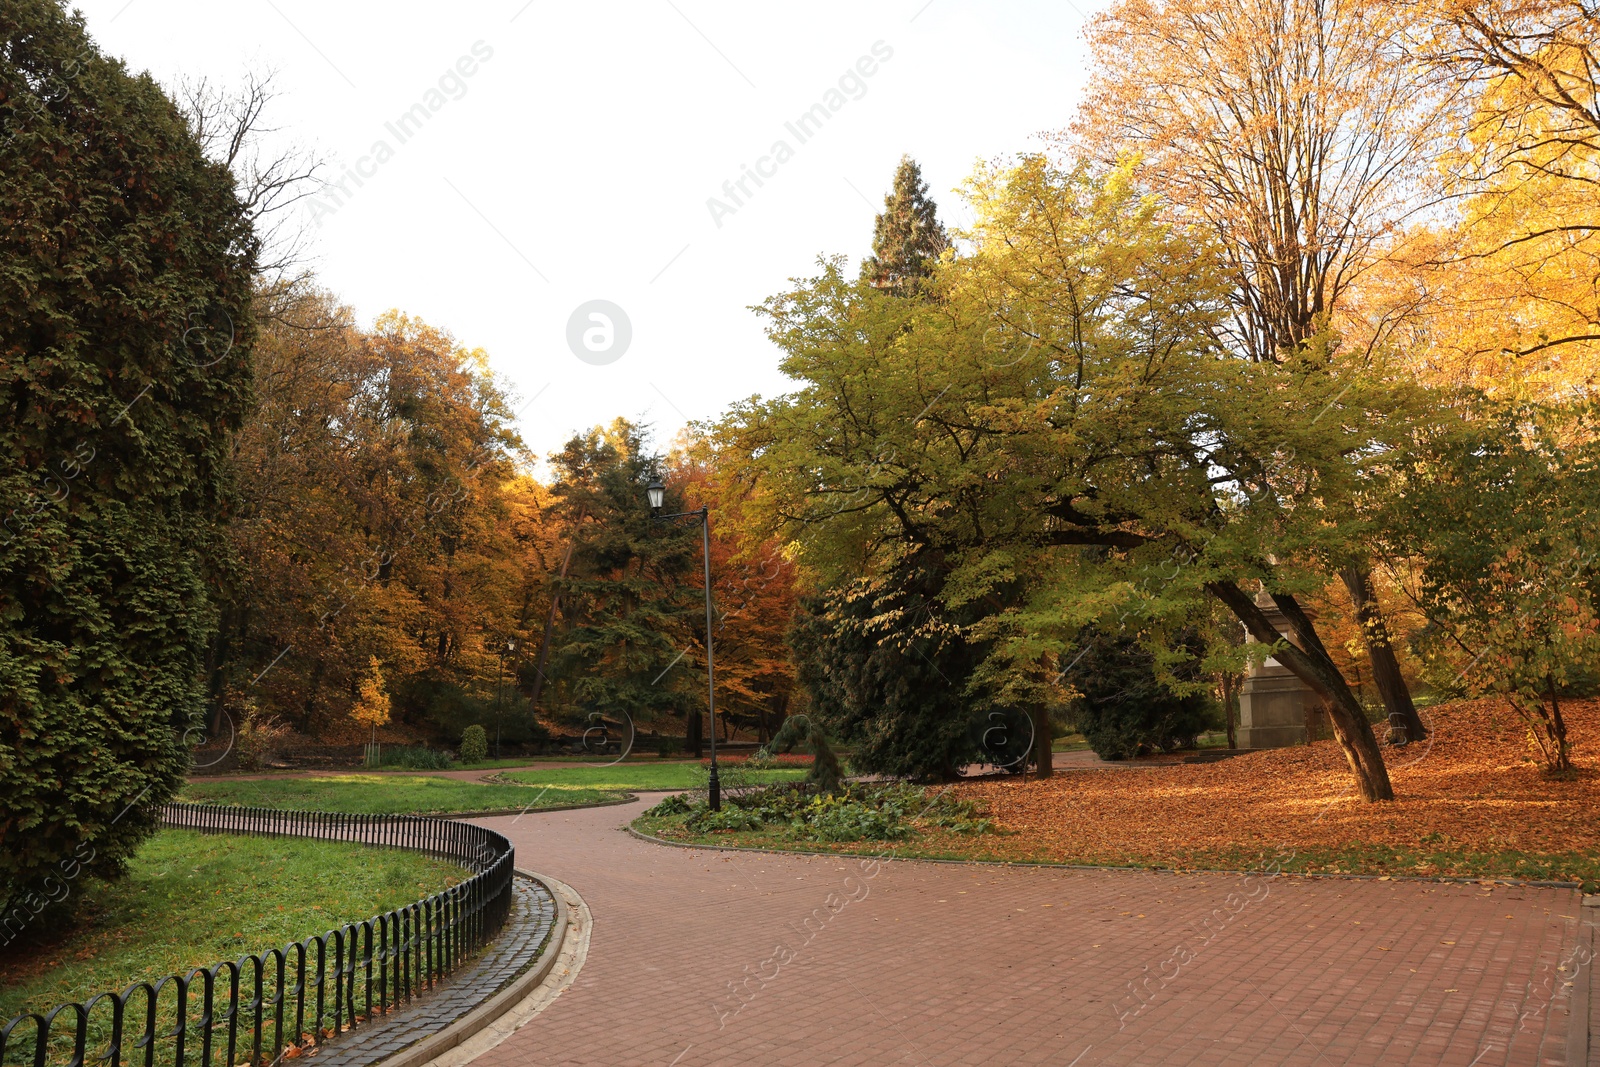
pixel 888 854
pixel 513 1007
pixel 626 798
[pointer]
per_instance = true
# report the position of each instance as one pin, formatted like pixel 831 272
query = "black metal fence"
pixel 254 1009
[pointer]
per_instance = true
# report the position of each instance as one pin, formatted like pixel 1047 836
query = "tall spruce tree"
pixel 125 334
pixel 631 596
pixel 907 237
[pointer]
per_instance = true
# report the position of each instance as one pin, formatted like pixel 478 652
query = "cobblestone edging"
pixel 516 1005
pixel 519 956
pixel 888 854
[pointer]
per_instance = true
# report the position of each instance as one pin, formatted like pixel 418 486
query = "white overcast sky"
pixel 575 162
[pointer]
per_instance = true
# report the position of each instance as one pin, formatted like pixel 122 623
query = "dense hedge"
pixel 125 267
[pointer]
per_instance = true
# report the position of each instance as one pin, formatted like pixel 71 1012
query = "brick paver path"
pixel 705 957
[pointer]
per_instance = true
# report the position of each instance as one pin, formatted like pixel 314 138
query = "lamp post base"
pixel 715 789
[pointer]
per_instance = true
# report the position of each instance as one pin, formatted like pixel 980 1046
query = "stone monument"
pixel 1274 705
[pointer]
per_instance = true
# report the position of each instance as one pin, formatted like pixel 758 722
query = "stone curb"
pixel 480 1027
pixel 641 835
pixel 1580 1041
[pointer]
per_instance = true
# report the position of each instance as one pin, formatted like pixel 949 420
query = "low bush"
pixel 474 745
pixel 259 738
pixel 676 804
pixel 414 758
pixel 854 813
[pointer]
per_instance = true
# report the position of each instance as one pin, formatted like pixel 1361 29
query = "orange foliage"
pixel 1473 784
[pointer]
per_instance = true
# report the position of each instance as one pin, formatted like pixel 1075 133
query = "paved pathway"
pixel 705 957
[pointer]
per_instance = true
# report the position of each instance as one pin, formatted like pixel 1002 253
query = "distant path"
pixel 701 957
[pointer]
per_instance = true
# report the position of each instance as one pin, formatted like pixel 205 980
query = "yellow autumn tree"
pixel 1517 304
pixel 1297 131
pixel 372 702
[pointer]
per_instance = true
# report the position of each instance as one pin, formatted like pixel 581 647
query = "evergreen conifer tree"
pixel 907 237
pixel 125 334
pixel 630 601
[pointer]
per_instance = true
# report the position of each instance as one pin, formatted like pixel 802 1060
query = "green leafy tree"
pixel 630 596
pixel 1501 511
pixel 125 338
pixel 1060 428
pixel 907 236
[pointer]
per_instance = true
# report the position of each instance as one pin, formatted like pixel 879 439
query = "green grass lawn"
pixel 663 775
pixel 1069 743
pixel 193 899
pixel 387 794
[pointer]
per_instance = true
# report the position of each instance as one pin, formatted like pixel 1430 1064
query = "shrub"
pixel 834 818
pixel 415 758
pixel 676 804
pixel 258 739
pixel 857 813
pixel 474 745
pixel 731 817
pixel 825 773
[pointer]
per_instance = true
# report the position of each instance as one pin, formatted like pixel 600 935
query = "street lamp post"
pixel 508 649
pixel 657 494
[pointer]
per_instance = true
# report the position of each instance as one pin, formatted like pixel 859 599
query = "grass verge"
pixel 191 900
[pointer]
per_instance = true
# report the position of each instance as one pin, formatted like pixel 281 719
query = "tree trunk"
pixel 1043 755
pixel 1558 731
pixel 693 728
pixel 1309 661
pixel 1547 728
pixel 1403 718
pixel 217 653
pixel 1230 697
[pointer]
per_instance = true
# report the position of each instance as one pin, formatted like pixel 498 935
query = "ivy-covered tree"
pixel 125 337
pixel 907 237
pixel 631 597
